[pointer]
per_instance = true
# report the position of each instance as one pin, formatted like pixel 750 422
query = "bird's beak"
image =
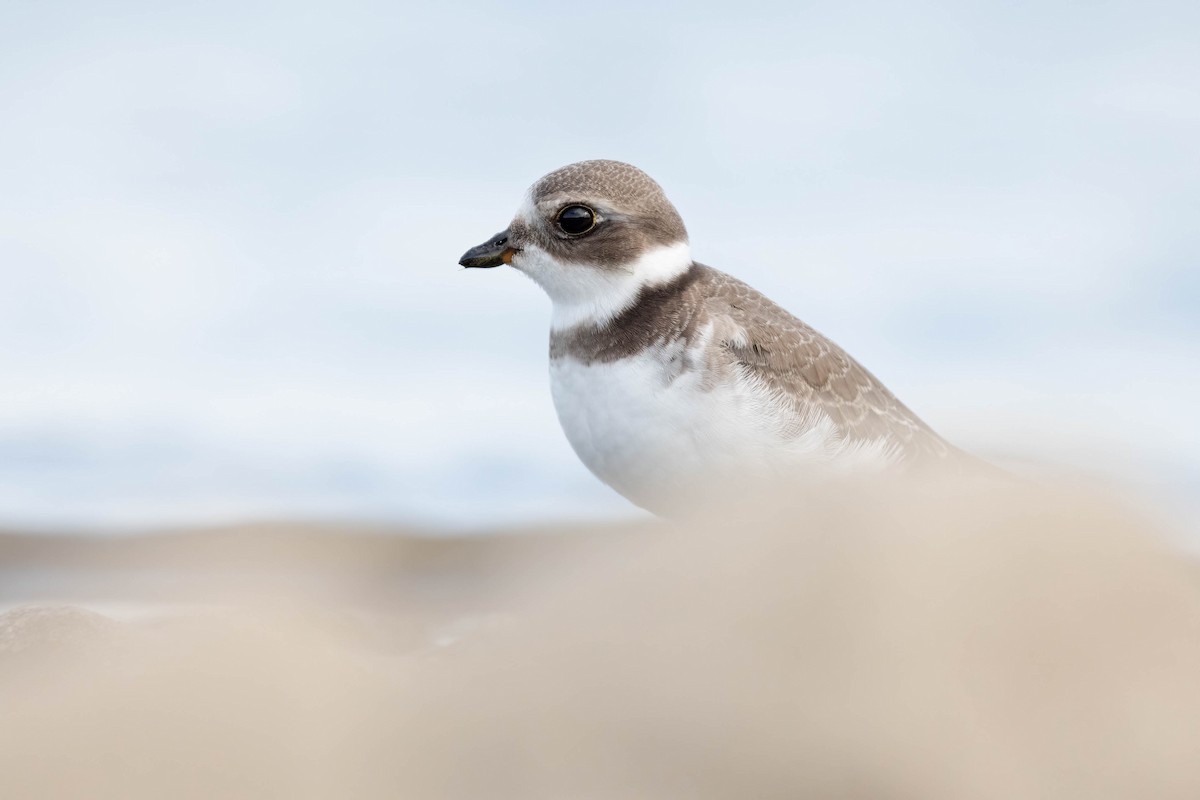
pixel 492 253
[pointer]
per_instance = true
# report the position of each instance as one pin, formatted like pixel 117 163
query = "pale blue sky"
pixel 228 234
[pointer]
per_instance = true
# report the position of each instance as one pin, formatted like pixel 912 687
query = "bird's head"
pixel 592 234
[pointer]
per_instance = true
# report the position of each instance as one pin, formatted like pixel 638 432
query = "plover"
pixel 667 373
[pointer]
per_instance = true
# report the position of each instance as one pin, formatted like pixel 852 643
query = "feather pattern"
pixel 704 378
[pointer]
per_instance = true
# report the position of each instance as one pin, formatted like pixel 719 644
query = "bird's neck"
pixel 594 297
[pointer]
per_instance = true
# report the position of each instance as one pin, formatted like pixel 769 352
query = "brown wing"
pixel 802 367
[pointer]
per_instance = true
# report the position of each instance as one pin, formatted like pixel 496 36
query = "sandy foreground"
pixel 935 638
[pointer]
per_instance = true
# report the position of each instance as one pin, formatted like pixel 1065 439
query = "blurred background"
pixel 232 323
pixel 229 233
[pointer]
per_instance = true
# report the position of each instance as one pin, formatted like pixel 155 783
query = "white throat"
pixel 581 293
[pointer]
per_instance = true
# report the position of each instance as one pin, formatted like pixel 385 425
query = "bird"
pixel 669 375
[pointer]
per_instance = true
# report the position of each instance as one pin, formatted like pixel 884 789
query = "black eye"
pixel 576 220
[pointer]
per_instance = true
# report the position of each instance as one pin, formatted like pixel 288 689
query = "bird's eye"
pixel 574 220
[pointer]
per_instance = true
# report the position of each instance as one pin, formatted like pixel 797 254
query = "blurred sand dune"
pixel 934 638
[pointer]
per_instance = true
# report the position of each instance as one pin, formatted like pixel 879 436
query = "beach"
pixel 936 638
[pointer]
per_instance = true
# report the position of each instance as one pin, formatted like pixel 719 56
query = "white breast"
pixel 655 430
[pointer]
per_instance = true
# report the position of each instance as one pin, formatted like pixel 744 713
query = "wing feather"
pixel 808 372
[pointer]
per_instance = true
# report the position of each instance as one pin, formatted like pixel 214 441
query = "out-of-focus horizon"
pixel 228 236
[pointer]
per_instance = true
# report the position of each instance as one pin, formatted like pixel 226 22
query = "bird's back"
pixel 807 372
pixel 705 377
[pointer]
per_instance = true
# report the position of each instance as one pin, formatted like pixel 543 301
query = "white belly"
pixel 655 434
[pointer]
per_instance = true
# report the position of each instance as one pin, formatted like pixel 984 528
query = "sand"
pixel 933 638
